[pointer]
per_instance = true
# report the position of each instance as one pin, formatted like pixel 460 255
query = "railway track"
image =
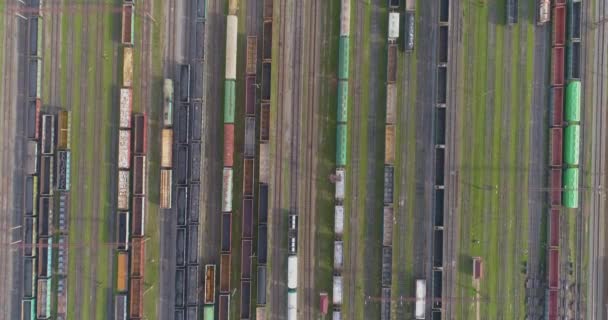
pixel 350 265
pixel 596 307
pixel 6 208
pixel 308 205
pixel 276 305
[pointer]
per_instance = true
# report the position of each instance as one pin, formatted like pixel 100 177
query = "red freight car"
pixel 559 25
pixel 136 305
pixel 246 253
pixel 248 172
pixel 556 147
pixel 225 273
pixel 552 305
pixel 557 112
pixel 557 69
pixel 228 145
pixel 553 268
pixel 138 216
pixel 554 232
pixel 140 143
pixel 250 90
pixel 265 122
pixel 138 254
pixel 555 183
pixel 247 219
pixel 392 64
pixel 139 175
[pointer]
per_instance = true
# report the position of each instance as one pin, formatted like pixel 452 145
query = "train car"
pixel 168 103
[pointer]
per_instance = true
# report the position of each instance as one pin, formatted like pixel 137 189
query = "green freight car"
pixel 572 144
pixel 229 101
pixel 570 193
pixel 28 309
pixel 209 312
pixel 572 112
pixel 342 101
pixel 341 145
pixel 343 58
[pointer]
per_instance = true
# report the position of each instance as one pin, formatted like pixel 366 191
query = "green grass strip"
pixel 76 193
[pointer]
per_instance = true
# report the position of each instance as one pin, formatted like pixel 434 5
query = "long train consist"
pixel 564 136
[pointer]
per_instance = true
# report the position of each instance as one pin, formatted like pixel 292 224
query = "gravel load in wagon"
pixel 124 149
pixel 249 150
pixel 138 257
pixel 389 144
pixel 193 208
pixel 127 67
pixel 252 56
pixel 245 299
pixel 192 285
pixel 338 255
pixel 180 252
pixel 196 120
pixel 193 244
pixel 264 163
pixel 262 244
pixel 387 226
pixel 226 238
pixel 250 95
pixel 263 204
pixel 264 121
pixel 391 103
pixel 345 18
pixel 247 230
pixel 227 187
pixel 126 107
pixel 339 220
pixel 246 254
pixel 181 124
pixel 180 287
pixel 209 297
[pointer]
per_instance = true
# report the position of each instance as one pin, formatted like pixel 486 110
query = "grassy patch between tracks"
pixel 77 192
pixel 327 148
pixel 494 177
pixel 152 277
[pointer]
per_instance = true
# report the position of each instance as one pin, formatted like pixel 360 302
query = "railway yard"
pixel 284 159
